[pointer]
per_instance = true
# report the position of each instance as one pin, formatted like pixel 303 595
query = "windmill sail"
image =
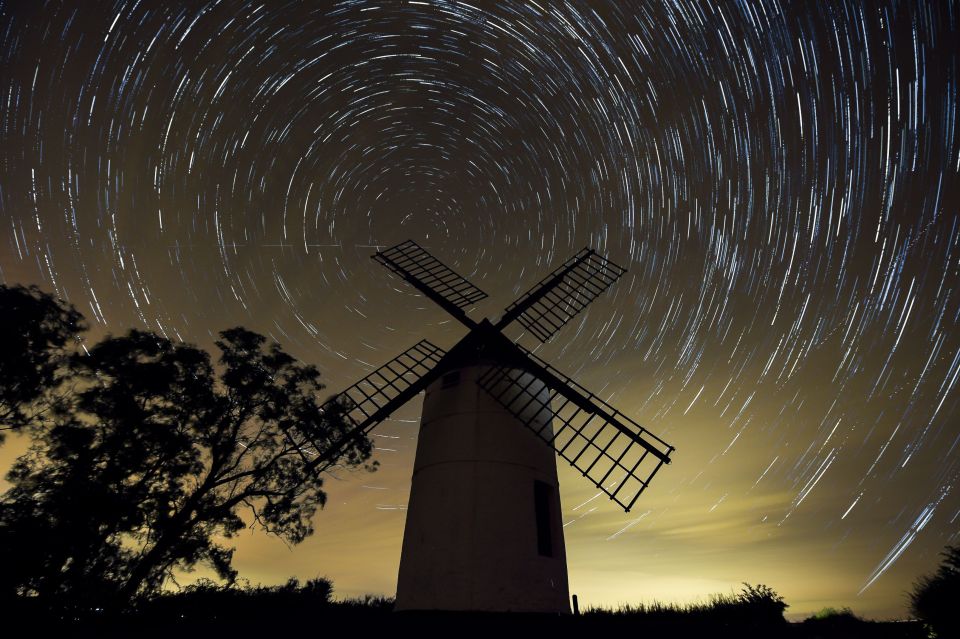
pixel 431 277
pixel 614 452
pixel 372 399
pixel 556 299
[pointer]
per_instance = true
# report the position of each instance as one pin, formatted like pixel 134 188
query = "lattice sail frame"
pixel 375 391
pixel 618 455
pixel 409 260
pixel 587 276
pixel 369 401
pixel 614 452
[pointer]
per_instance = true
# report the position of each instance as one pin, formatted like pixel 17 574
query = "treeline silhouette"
pixel 757 611
pixel 206 608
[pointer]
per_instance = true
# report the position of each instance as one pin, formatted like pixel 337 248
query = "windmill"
pixel 483 528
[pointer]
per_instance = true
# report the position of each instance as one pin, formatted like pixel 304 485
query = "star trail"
pixel 779 178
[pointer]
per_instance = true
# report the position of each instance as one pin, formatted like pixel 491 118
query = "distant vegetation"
pixel 207 601
pixel 756 611
pixel 208 607
pixel 753 606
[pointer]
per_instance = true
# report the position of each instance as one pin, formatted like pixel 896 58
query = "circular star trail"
pixel 781 180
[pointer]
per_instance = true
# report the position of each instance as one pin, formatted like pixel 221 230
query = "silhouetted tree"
pixel 36 330
pixel 934 598
pixel 157 458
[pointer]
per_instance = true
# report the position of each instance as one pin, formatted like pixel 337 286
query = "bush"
pixel 753 606
pixel 207 600
pixel 934 598
pixel 833 615
pixel 368 603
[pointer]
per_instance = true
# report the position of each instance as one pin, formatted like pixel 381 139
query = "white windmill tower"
pixel 483 529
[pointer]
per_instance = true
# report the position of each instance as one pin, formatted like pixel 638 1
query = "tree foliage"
pixel 934 598
pixel 38 331
pixel 154 459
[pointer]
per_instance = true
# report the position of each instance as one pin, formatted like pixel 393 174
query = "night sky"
pixel 780 179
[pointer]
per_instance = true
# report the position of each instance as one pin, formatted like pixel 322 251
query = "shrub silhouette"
pixel 831 622
pixel 753 607
pixel 832 614
pixel 935 597
pixel 758 605
pixel 207 601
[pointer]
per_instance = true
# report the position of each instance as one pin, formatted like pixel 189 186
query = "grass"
pixel 208 609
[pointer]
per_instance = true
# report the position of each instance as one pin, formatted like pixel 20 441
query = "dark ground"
pixel 367 621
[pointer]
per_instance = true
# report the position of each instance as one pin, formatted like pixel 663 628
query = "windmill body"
pixel 483 529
